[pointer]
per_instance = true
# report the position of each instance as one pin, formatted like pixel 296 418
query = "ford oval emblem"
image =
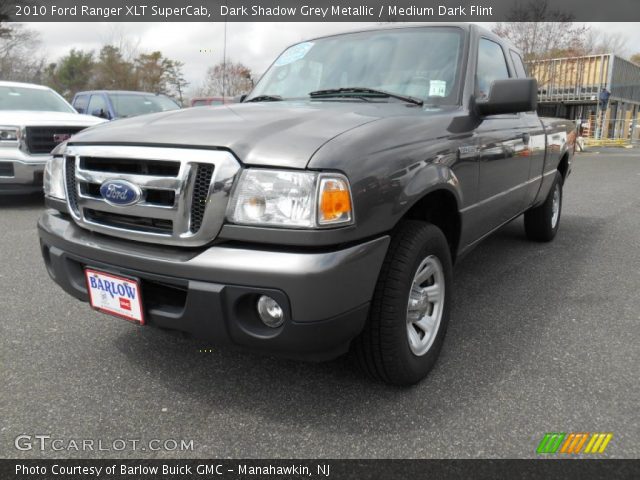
pixel 120 192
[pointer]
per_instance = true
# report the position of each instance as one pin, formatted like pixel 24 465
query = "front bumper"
pixel 211 293
pixel 21 173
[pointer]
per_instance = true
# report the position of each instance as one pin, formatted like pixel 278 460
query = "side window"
pixel 97 102
pixel 491 66
pixel 80 103
pixel 521 72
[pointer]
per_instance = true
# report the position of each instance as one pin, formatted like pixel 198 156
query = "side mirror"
pixel 100 113
pixel 239 98
pixel 511 95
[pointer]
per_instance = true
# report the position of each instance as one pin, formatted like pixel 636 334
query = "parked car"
pixel 114 104
pixel 209 101
pixel 322 213
pixel 33 120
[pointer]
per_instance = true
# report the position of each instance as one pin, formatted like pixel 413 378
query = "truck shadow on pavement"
pixel 19 202
pixel 506 291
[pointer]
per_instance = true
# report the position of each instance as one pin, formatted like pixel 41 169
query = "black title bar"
pixel 207 469
pixel 319 10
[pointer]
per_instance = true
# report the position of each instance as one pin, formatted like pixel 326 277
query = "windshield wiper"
pixel 264 98
pixel 354 91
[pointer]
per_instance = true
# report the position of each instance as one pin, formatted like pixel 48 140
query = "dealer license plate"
pixel 118 296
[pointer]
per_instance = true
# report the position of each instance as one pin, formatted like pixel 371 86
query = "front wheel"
pixel 541 223
pixel 410 308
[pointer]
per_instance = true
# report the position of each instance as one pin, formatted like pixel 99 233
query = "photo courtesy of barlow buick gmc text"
pixel 275 240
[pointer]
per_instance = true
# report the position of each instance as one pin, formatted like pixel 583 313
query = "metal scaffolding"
pixel 570 87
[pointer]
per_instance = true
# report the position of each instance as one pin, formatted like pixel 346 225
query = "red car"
pixel 205 101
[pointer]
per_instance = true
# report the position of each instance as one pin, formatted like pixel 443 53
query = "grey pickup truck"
pixel 324 212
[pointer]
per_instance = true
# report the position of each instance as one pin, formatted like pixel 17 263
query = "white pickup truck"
pixel 33 120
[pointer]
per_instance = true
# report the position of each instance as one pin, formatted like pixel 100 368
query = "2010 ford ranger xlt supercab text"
pixel 322 213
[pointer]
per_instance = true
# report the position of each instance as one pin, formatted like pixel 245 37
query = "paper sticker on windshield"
pixel 437 88
pixel 293 54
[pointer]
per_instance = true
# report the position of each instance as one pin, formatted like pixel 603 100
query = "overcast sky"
pixel 200 45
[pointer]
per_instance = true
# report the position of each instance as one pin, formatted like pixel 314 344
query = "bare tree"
pixel 176 80
pixel 127 44
pixel 600 41
pixel 541 31
pixel 17 59
pixel 228 80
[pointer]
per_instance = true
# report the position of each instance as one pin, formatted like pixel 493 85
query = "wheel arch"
pixel 439 206
pixel 563 166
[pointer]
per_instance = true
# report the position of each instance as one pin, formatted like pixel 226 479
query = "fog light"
pixel 270 312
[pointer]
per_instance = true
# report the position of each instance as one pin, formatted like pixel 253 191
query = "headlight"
pixel 54 178
pixel 9 134
pixel 282 198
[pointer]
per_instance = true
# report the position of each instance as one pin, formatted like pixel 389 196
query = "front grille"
pixel 200 194
pixel 130 222
pixel 43 139
pixel 182 194
pixel 72 186
pixel 6 169
pixel 125 165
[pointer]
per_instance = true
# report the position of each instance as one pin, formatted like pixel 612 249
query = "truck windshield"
pixel 35 99
pixel 127 105
pixel 423 63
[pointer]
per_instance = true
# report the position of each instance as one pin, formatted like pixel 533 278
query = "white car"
pixel 33 120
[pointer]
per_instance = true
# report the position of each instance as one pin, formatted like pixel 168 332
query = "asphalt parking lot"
pixel 543 338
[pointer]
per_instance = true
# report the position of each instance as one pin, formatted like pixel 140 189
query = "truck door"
pixel 503 147
pixel 80 103
pixel 98 106
pixel 537 139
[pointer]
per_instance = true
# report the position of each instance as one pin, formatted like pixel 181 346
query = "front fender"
pixel 428 178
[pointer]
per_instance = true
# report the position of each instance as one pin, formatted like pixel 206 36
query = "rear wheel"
pixel 410 308
pixel 541 223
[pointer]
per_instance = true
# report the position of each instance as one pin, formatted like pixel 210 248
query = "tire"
pixel 541 223
pixel 384 349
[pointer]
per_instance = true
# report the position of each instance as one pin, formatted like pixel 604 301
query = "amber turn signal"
pixel 334 202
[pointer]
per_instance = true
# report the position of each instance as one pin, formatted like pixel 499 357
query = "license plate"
pixel 118 296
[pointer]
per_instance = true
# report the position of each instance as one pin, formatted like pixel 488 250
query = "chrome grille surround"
pixel 225 168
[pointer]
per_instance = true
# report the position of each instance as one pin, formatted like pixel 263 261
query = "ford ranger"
pixel 324 212
pixel 33 120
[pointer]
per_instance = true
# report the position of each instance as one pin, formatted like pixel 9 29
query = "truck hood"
pixel 27 118
pixel 280 134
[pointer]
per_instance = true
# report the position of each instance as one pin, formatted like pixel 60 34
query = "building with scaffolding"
pixel 571 88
